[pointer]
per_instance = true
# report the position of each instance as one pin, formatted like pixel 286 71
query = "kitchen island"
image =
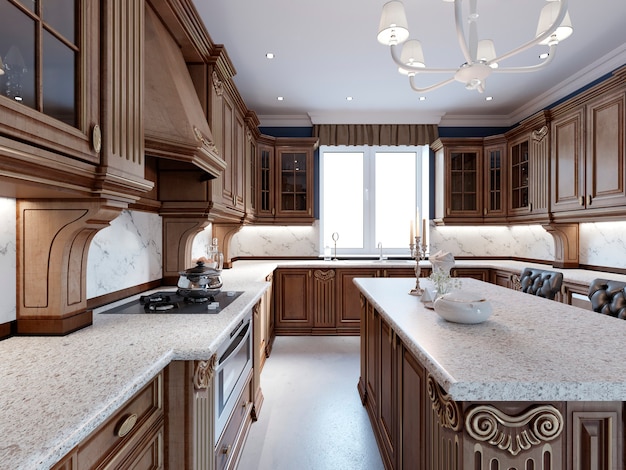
pixel 540 383
pixel 55 391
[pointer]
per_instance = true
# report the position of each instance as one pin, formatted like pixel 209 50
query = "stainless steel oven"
pixel 234 363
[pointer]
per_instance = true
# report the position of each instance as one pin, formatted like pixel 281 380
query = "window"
pixel 370 195
pixel 39 49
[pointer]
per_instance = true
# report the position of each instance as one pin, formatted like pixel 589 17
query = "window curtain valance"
pixel 376 134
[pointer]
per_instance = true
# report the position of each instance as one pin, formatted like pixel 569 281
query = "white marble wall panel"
pixel 278 241
pixel 201 242
pixel 603 244
pixel 125 254
pixel 7 260
pixel 524 241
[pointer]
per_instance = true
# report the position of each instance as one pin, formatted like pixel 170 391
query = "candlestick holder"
pixel 418 253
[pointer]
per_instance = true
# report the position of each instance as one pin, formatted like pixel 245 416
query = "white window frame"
pixel 422 202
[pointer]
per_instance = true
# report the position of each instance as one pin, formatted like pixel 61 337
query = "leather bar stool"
pixel 608 297
pixel 541 282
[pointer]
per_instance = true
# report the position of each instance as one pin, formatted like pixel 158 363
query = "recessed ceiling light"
pixel 269 55
pixel 489 98
pixel 280 98
pixel 348 98
pixel 544 55
pixel 422 98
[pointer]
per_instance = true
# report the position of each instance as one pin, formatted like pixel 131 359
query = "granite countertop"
pixel 530 349
pixel 55 391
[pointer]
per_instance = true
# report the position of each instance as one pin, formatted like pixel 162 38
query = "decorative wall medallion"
pixel 218 86
pixel 447 409
pixel 204 373
pixel 539 135
pixel 514 434
pixel 324 275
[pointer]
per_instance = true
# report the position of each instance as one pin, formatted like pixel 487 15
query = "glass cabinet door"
pixel 265 203
pixel 519 175
pixel 293 185
pixel 464 189
pixel 495 170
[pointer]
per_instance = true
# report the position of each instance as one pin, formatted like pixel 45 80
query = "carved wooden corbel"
pixel 447 409
pixel 203 374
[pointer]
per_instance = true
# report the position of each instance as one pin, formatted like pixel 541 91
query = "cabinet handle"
pixel 581 200
pixel 273 211
pixel 484 211
pixel 226 449
pixel 589 199
pixel 448 211
pixel 530 207
pixel 126 425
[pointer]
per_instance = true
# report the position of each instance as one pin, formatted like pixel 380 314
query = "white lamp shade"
pixel 549 13
pixel 486 51
pixel 412 53
pixel 393 27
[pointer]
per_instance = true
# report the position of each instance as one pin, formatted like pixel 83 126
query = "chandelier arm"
pixel 460 33
pixel 529 68
pixel 538 39
pixel 429 88
pixel 396 58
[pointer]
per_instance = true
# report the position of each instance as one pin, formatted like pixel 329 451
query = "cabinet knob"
pixel 589 199
pixel 581 200
pixel 126 425
pixel 226 449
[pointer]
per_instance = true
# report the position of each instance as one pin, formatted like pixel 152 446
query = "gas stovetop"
pixel 168 302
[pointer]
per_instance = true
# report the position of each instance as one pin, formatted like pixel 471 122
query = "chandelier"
pixel 480 56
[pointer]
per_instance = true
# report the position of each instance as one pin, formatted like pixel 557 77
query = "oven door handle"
pixel 236 345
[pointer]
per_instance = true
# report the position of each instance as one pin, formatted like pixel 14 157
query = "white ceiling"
pixel 327 50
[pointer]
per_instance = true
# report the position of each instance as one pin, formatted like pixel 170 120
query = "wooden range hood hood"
pixel 175 126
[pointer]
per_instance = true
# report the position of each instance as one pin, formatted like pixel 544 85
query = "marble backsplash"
pixel 129 251
pixel 8 252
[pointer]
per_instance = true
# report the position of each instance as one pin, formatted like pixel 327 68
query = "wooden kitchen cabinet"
pixel 349 299
pixel 529 170
pixel 292 301
pixel 392 389
pixel 132 438
pixel 459 171
pixel 589 165
pixel 505 278
pixel 285 185
pixel 482 274
pixel 494 209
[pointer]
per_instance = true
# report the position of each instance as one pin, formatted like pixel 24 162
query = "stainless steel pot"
pixel 199 281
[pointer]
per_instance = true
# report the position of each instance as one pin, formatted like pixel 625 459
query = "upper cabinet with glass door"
pixel 459 171
pixel 285 174
pixel 50 95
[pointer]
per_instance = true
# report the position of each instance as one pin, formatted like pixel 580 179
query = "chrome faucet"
pixel 380 247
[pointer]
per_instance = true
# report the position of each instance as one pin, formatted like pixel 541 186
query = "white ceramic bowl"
pixel 463 307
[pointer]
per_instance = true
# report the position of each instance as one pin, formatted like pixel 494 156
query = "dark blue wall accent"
pixel 471 131
pixel 287 131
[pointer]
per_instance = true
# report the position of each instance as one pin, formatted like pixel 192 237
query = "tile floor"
pixel 312 417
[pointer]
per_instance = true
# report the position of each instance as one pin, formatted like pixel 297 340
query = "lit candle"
pixel 424 231
pixel 412 235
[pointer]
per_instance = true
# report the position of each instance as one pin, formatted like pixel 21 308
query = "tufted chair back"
pixel 541 282
pixel 608 297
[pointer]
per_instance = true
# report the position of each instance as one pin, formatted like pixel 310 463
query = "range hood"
pixel 175 126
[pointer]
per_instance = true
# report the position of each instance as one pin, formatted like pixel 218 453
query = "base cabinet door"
pixel 293 301
pixel 348 299
pixel 411 400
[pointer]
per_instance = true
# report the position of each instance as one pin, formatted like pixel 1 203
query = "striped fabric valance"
pixel 376 134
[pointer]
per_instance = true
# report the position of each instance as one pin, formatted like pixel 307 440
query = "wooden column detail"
pixel 52 247
pixel 178 235
pixel 566 245
pixel 224 234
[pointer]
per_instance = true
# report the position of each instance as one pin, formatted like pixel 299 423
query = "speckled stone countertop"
pixel 54 391
pixel 530 349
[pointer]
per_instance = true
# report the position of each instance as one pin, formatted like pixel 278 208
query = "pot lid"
pixel 199 268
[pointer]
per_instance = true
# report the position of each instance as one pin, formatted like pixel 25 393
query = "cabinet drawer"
pixel 231 442
pixel 119 433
